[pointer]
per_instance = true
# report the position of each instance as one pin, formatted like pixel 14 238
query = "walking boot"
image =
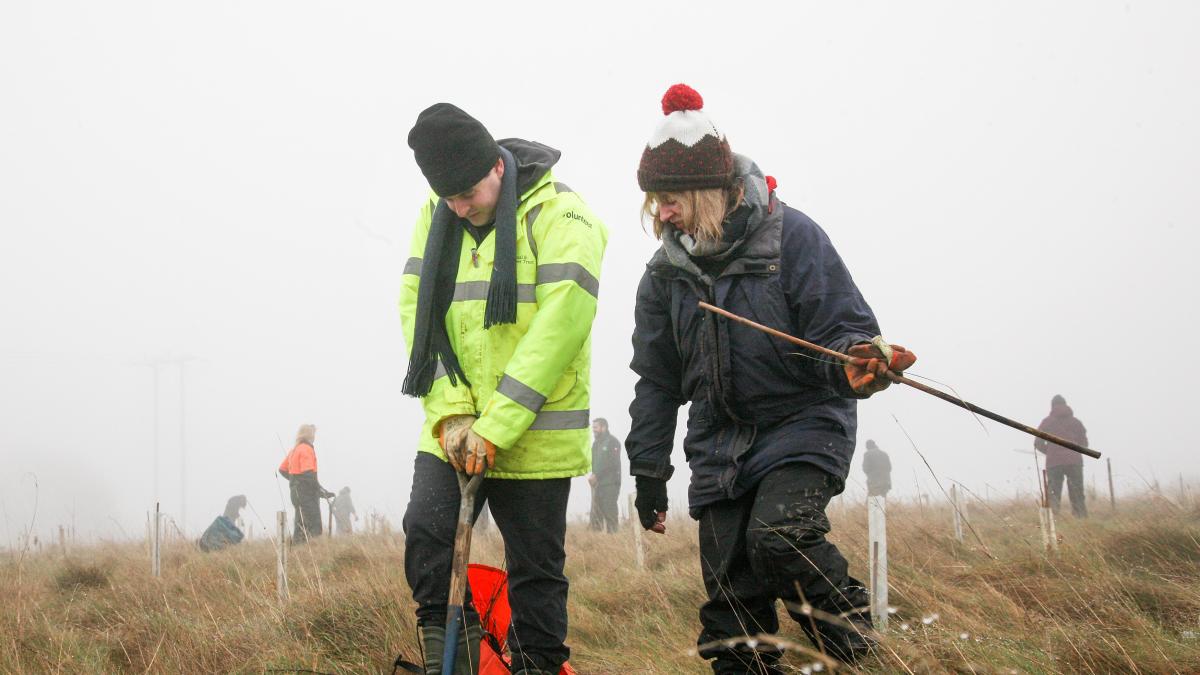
pixel 844 643
pixel 852 637
pixel 433 645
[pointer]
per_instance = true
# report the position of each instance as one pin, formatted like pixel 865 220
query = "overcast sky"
pixel 1012 185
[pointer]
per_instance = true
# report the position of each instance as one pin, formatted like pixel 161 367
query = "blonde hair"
pixel 706 209
pixel 307 433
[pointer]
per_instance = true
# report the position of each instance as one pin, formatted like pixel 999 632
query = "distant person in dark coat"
pixel 1061 462
pixel 606 477
pixel 878 468
pixel 300 468
pixel 224 530
pixel 343 512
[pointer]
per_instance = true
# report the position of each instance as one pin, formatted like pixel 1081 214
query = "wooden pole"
pixel 1112 495
pixel 958 528
pixel 639 550
pixel 1046 515
pixel 963 513
pixel 468 487
pixel 182 525
pixel 877 538
pixel 281 581
pixel 156 544
pixel 894 377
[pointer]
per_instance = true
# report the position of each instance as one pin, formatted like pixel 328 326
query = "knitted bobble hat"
pixel 686 151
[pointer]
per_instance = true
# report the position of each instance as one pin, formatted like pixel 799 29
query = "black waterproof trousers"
pixel 531 516
pixel 306 500
pixel 1073 473
pixel 604 514
pixel 765 546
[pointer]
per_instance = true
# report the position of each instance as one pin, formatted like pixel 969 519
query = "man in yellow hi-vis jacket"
pixel 497 304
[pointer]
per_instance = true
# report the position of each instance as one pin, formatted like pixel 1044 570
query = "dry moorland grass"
pixel 1122 595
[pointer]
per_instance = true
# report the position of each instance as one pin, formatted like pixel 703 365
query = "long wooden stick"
pixel 894 377
pixel 468 487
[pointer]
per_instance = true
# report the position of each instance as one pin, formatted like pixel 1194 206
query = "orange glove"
pixel 869 364
pixel 452 435
pixel 480 453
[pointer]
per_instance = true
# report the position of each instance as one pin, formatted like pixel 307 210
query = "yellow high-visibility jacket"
pixel 529 380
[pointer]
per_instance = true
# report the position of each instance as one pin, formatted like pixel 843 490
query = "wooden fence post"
pixel 877 538
pixel 156 544
pixel 1046 517
pixel 958 528
pixel 281 584
pixel 639 550
pixel 1112 495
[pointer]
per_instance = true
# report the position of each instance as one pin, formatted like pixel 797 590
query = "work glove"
pixel 452 435
pixel 869 363
pixel 478 452
pixel 651 503
pixel 327 495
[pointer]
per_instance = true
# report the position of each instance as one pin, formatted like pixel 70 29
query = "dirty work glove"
pixel 869 363
pixel 478 452
pixel 651 503
pixel 452 435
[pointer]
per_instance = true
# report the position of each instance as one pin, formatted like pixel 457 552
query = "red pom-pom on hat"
pixel 681 97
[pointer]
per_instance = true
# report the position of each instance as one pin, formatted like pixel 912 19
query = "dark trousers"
pixel 531 516
pixel 1073 473
pixel 768 545
pixel 306 500
pixel 307 523
pixel 604 513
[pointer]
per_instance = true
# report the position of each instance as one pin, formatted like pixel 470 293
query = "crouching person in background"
pixel 224 530
pixel 770 433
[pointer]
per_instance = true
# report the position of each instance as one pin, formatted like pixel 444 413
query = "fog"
pixel 227 186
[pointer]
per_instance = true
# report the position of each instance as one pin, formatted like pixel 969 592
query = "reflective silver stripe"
pixel 413 266
pixel 561 420
pixel 562 187
pixel 569 271
pixel 529 218
pixel 521 393
pixel 478 290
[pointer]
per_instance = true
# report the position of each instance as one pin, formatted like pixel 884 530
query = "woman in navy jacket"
pixel 770 431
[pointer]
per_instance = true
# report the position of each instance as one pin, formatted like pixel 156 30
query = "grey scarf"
pixel 439 272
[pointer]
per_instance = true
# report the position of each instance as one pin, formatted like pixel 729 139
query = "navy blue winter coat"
pixel 757 402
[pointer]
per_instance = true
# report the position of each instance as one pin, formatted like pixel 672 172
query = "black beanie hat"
pixel 453 149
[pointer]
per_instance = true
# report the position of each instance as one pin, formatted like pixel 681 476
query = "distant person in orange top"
pixel 300 468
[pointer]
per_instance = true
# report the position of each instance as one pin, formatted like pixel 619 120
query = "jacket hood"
pixel 1061 410
pixel 533 160
pixel 762 213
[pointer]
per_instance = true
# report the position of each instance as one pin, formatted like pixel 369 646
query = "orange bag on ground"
pixel 489 593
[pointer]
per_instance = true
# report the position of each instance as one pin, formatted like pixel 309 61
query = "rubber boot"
pixel 842 642
pixel 433 642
